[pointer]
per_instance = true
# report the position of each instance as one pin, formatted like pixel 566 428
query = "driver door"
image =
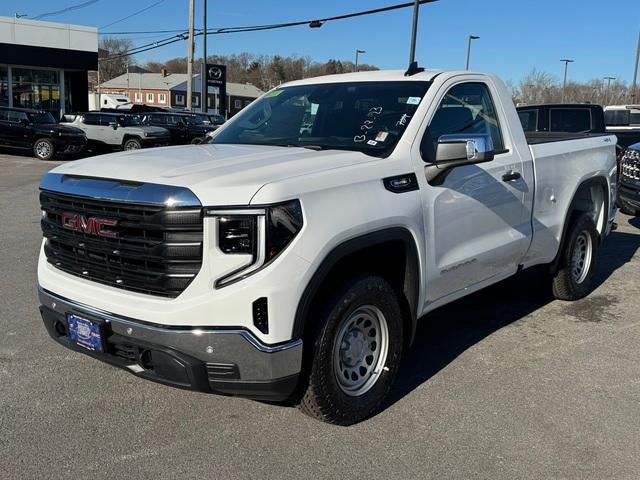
pixel 475 218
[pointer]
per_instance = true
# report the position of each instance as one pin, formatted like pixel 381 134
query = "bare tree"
pixel 112 67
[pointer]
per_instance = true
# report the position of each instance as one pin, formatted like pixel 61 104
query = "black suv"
pixel 38 131
pixel 184 127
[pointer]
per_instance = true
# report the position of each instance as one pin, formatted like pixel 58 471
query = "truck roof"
pixel 370 76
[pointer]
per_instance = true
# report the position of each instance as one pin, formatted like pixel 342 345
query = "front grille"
pixel 157 250
pixel 631 165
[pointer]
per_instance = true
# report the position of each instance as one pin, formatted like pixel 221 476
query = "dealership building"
pixel 44 65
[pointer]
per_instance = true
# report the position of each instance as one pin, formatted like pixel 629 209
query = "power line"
pixel 253 28
pixel 65 10
pixel 132 15
pixel 142 31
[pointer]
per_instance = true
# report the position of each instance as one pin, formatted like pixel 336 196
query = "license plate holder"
pixel 85 333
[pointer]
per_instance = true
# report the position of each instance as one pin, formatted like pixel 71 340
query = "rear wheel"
pixel 43 149
pixel 574 278
pixel 132 144
pixel 357 353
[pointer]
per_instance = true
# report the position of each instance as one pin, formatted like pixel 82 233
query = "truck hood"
pixel 217 174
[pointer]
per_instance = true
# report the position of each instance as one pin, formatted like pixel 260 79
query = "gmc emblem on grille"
pixel 91 225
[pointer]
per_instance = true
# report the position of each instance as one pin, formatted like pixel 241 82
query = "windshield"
pixel 369 117
pixel 193 120
pixel 42 117
pixel 130 120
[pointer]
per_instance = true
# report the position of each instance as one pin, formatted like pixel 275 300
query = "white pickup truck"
pixel 292 256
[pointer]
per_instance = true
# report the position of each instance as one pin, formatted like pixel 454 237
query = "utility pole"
pixel 471 37
pixel 358 52
pixel 414 31
pixel 634 87
pixel 190 56
pixel 606 92
pixel 564 83
pixel 204 89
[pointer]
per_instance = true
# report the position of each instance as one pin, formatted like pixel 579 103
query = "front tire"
pixel 574 279
pixel 356 353
pixel 43 149
pixel 197 141
pixel 132 144
pixel 628 209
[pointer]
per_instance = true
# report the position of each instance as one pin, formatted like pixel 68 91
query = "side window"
pixel 91 119
pixel 4 115
pixel 467 108
pixel 529 120
pixel 571 120
pixel 159 119
pixel 16 117
pixel 105 120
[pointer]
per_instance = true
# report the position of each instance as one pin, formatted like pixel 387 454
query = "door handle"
pixel 510 176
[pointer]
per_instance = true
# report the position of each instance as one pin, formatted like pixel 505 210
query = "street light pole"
pixel 564 83
pixel 204 89
pixel 190 56
pixel 606 92
pixel 358 52
pixel 471 37
pixel 634 87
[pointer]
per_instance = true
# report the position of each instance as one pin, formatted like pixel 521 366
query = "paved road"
pixel 505 384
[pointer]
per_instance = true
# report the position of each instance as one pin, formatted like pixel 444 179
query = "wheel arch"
pixel 405 277
pixel 577 206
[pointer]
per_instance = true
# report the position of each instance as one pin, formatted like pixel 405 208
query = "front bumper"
pixel 629 192
pixel 223 361
pixel 148 142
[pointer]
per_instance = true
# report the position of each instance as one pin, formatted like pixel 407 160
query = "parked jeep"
pixel 184 128
pixel 39 132
pixel 118 131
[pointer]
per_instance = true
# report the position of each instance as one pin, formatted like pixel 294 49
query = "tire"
pixel 43 149
pixel 574 278
pixel 132 144
pixel 350 376
pixel 628 209
pixel 196 141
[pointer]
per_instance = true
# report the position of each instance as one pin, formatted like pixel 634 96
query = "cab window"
pixel 467 108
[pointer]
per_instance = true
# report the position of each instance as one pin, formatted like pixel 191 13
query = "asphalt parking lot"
pixel 505 384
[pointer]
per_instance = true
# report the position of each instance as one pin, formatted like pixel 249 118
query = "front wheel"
pixel 577 268
pixel 197 141
pixel 132 144
pixel 43 149
pixel 628 209
pixel 357 352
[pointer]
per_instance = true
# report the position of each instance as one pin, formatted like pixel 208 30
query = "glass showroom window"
pixel 4 87
pixel 39 89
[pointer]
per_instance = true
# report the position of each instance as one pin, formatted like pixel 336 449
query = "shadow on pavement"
pixel 447 332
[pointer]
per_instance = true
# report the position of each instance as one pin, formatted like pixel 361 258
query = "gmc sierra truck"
pixel 292 257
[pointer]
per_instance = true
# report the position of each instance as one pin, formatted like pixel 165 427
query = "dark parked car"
pixel 38 131
pixel 629 181
pixel 184 128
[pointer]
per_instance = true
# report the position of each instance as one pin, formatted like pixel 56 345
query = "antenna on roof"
pixel 413 69
pixel 413 65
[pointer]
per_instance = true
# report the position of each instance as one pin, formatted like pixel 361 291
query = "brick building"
pixel 170 90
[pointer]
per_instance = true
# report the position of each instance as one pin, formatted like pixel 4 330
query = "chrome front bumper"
pixel 226 361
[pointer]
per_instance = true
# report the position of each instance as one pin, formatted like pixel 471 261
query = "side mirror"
pixel 113 125
pixel 457 150
pixel 24 122
pixel 463 149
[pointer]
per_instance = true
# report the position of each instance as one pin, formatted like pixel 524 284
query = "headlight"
pixel 261 234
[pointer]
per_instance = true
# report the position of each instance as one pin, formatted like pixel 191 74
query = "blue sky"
pixel 516 35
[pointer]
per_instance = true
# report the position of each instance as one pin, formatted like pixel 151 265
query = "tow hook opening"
pixel 60 328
